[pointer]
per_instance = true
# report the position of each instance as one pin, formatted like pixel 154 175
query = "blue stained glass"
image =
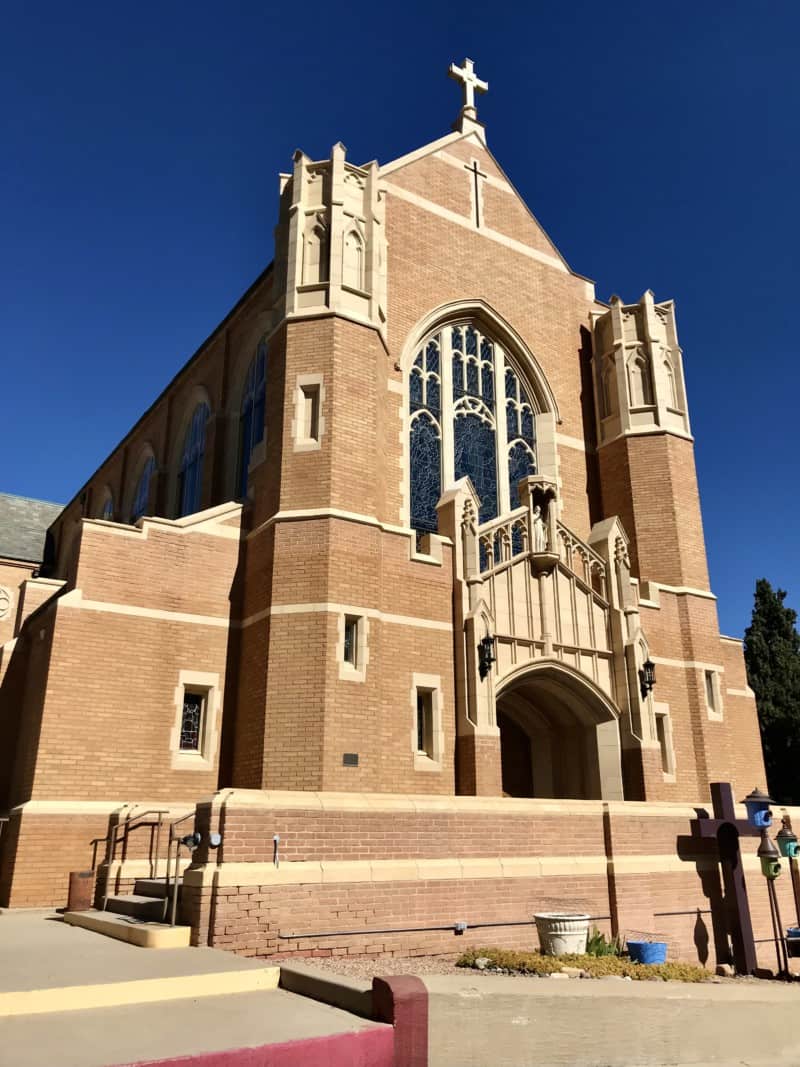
pixel 527 425
pixel 511 383
pixel 456 339
pixel 251 422
pixel 418 360
pixel 517 544
pixel 487 350
pixel 434 396
pixel 432 357
pixel 475 456
pixel 426 473
pixel 472 379
pixel 472 342
pixel 415 390
pixel 520 465
pixel 458 377
pixel 512 428
pixel 190 477
pixel 487 377
pixel 142 495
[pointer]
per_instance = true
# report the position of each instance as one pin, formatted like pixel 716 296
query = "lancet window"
pixel 190 478
pixel 251 420
pixel 460 426
pixel 141 497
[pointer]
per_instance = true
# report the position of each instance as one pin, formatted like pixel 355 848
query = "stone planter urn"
pixel 562 934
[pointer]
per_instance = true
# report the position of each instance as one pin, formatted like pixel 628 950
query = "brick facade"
pixel 255 594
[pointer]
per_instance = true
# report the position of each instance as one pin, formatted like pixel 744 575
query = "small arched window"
pixel 251 420
pixel 190 477
pixel 141 497
pixel 315 253
pixel 639 385
pixel 108 507
pixel 672 389
pixel 608 387
pixel 353 261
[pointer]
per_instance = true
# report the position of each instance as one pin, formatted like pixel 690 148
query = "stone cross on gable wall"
pixel 470 83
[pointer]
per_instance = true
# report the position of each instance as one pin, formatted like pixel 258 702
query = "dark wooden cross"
pixel 476 174
pixel 727 830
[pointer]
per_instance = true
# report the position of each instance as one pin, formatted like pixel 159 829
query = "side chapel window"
pixel 108 508
pixel 251 420
pixel 141 497
pixel 454 424
pixel 190 477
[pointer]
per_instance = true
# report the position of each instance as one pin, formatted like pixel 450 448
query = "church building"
pixel 415 531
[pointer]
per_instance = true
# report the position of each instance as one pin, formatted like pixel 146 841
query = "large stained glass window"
pixel 459 426
pixel 190 477
pixel 425 402
pixel 141 497
pixel 251 422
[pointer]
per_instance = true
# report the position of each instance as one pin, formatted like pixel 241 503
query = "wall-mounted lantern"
pixel 758 813
pixel 486 655
pixel 647 677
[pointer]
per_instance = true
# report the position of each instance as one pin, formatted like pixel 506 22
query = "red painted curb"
pixel 363 1048
pixel 403 1002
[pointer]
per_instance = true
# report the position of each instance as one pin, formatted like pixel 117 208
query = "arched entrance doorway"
pixel 559 735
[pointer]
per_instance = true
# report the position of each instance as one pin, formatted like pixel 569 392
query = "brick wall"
pixel 385 866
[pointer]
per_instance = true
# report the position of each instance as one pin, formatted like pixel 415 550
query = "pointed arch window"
pixel 315 252
pixel 353 260
pixel 672 388
pixel 459 426
pixel 190 477
pixel 141 497
pixel 251 418
pixel 639 383
pixel 108 507
pixel 608 391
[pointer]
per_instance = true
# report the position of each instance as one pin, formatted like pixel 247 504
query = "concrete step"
pixel 140 907
pixel 127 928
pixel 154 887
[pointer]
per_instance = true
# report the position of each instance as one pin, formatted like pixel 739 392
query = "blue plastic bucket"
pixel 648 951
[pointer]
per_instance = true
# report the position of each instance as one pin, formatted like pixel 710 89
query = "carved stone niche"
pixel 539 494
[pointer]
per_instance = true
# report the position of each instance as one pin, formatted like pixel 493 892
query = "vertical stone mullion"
pixel 501 435
pixel 448 463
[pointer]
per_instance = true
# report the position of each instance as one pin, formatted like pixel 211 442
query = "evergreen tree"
pixel 772 656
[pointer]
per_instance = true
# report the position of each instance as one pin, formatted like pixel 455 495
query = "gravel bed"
pixel 368 967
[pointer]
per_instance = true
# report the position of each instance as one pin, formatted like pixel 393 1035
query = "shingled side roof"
pixel 23 524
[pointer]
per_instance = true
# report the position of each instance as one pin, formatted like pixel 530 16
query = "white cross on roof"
pixel 470 83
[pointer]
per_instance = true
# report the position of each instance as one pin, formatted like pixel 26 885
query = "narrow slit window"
pixel 351 640
pixel 310 411
pixel 661 734
pixel 192 721
pixel 425 722
pixel 711 695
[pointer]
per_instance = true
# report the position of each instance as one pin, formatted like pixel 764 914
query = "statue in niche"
pixel 539 532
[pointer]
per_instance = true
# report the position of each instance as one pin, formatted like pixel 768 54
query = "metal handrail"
pixel 125 828
pixel 171 894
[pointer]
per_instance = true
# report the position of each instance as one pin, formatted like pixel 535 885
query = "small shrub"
pixel 597 944
pixel 594 966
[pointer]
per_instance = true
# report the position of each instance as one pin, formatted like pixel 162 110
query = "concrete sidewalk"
pixel 73 998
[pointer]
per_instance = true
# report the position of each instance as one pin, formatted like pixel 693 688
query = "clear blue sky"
pixel 658 145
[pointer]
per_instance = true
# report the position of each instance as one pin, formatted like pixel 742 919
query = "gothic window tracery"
pixel 190 477
pixel 251 419
pixel 460 427
pixel 315 252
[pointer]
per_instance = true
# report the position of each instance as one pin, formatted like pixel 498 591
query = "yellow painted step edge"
pixel 141 991
pixel 145 935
